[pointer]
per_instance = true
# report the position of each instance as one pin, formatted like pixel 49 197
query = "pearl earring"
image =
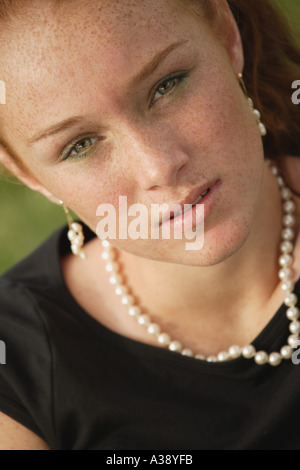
pixel 75 234
pixel 256 113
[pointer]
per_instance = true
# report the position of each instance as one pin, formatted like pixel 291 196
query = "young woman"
pixel 142 343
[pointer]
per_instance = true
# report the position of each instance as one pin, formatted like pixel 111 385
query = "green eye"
pixel 80 149
pixel 167 86
pixel 83 145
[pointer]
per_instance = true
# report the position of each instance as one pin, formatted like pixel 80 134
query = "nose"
pixel 153 155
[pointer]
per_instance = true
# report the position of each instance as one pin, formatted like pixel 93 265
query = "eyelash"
pixel 180 77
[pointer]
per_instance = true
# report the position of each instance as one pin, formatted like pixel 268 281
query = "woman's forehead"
pixel 66 53
pixel 79 38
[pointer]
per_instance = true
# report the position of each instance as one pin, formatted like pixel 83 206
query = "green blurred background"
pixel 27 218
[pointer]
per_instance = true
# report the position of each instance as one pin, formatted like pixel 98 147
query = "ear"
pixel 228 32
pixel 24 175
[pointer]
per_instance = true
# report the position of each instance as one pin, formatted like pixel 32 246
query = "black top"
pixel 81 386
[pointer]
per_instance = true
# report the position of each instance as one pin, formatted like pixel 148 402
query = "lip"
pixel 190 199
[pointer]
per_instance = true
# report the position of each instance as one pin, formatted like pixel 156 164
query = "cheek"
pixel 218 129
pixel 218 115
pixel 85 191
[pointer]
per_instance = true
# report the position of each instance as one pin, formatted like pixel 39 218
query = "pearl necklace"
pixel 248 351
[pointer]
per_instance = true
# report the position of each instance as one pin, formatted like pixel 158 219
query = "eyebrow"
pixel 147 69
pixel 55 129
pixel 157 59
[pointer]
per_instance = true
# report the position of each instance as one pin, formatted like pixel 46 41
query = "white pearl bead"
pixel 175 346
pixel 289 207
pixel 261 357
pixel 235 351
pixel 116 279
pixel 287 286
pixel 287 234
pixel 286 352
pixel 154 329
pixel 105 243
pixel 223 356
pixel 275 170
pixel 289 220
pixel 262 128
pixel 248 351
pixel 293 313
pixel 112 267
pixel 121 290
pixel 211 359
pixel 285 273
pixel 144 320
pixel 127 300
pixel 164 339
pixel 257 114
pixel 286 247
pixel 280 181
pixel 78 240
pixel 251 103
pixel 75 249
pixel 76 227
pixel 294 327
pixel 82 254
pixel 200 357
pixel 293 341
pixel 286 194
pixel 108 255
pixel 285 260
pixel 134 311
pixel 291 300
pixel 187 352
pixel 71 235
pixel 275 359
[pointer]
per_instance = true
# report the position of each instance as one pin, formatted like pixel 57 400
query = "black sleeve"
pixel 26 388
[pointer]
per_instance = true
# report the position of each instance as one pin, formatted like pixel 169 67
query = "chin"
pixel 220 243
pixel 224 236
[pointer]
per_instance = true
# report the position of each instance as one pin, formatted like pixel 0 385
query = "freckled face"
pixel 154 138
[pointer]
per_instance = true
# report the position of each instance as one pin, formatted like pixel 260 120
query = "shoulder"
pixel 24 335
pixel 39 332
pixel 21 287
pixel 25 293
pixel 33 282
pixel 27 362
pixel 17 308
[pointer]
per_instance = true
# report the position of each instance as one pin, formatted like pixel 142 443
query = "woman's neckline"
pixel 269 333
